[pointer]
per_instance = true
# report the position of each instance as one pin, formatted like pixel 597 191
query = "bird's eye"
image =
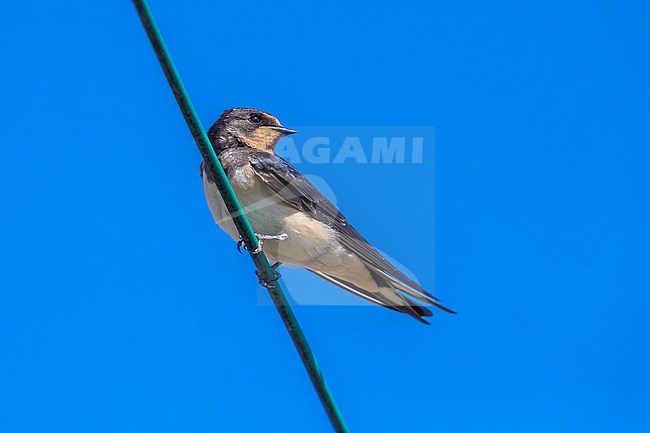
pixel 255 118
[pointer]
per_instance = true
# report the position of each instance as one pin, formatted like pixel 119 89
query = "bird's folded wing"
pixel 298 191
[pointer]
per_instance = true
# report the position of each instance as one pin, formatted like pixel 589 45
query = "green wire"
pixel 239 218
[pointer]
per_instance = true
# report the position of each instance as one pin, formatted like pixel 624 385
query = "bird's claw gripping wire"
pixel 240 245
pixel 260 240
pixel 264 282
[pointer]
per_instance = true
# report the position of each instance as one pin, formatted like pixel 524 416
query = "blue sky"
pixel 125 309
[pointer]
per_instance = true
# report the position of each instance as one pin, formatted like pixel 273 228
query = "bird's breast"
pixel 308 239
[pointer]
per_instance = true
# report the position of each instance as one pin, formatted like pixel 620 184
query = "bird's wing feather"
pixel 403 305
pixel 299 192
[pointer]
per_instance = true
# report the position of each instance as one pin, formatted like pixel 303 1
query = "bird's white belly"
pixel 309 241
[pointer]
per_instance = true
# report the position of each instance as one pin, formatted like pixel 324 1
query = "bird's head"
pixel 247 127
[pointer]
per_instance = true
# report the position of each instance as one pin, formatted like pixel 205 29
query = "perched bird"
pixel 298 225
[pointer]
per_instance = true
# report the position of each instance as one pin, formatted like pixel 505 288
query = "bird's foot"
pixel 240 245
pixel 260 240
pixel 280 237
pixel 267 282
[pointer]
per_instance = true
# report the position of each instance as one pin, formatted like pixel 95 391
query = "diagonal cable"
pixel 267 274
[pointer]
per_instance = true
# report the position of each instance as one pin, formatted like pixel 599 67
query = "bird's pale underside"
pixel 277 199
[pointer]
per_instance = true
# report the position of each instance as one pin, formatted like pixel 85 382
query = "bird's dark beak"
pixel 283 130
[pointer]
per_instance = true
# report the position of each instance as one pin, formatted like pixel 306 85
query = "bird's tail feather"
pixel 417 292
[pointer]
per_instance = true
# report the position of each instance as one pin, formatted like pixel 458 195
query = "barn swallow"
pixel 298 225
